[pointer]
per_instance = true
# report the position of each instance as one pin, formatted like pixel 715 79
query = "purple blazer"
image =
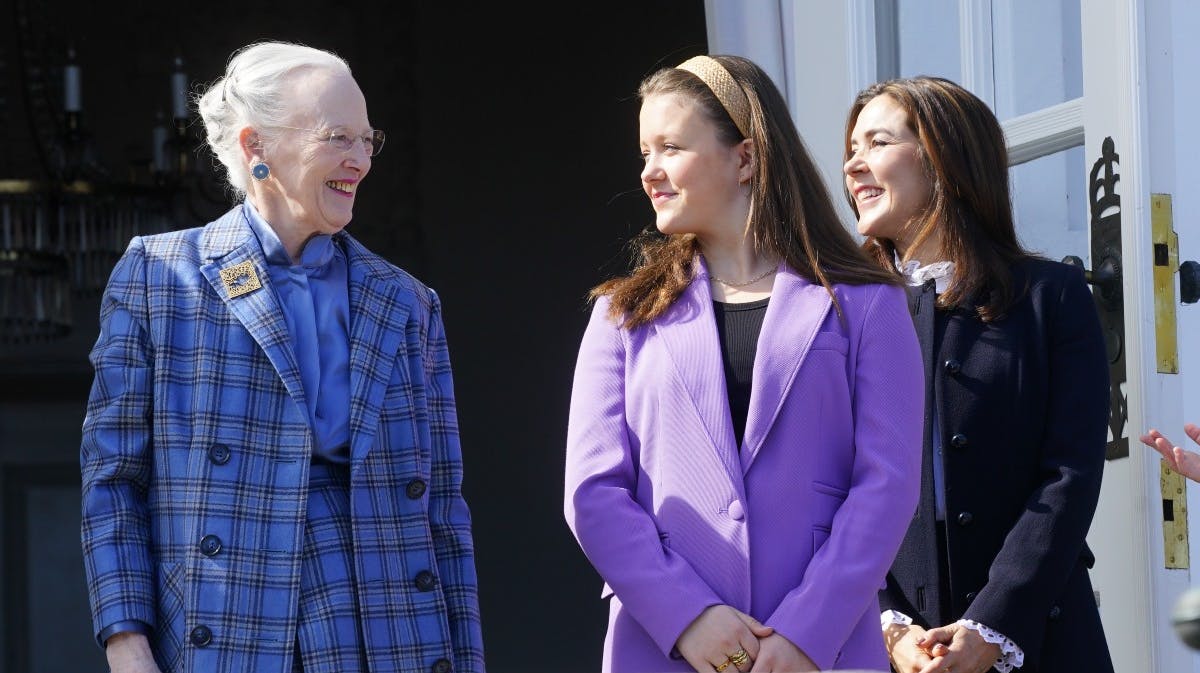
pixel 796 527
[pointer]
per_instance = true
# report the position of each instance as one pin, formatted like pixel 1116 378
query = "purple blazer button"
pixel 736 511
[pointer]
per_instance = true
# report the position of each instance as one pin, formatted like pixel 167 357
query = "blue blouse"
pixel 315 298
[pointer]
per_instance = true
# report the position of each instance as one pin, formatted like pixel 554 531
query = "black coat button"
pixel 959 441
pixel 971 596
pixel 425 581
pixel 442 666
pixel 965 518
pixel 953 367
pixel 415 489
pixel 201 636
pixel 219 454
pixel 210 545
pixel 1055 612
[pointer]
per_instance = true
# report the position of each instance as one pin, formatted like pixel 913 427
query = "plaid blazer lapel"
pixel 229 245
pixel 379 312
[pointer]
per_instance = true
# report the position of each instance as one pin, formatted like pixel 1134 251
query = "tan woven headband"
pixel 718 79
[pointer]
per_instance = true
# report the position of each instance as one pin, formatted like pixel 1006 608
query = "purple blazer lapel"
pixel 689 333
pixel 795 313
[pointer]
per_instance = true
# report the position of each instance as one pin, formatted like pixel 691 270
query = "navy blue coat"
pixel 1022 409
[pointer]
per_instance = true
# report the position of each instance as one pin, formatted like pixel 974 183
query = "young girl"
pixel 743 448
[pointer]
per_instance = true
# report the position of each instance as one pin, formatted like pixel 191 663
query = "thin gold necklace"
pixel 713 276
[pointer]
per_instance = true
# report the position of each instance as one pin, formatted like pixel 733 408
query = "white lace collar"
pixel 917 274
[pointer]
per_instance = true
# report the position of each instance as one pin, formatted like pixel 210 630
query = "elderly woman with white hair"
pixel 270 458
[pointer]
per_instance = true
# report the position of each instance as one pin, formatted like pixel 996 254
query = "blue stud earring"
pixel 260 171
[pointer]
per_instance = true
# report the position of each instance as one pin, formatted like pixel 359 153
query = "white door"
pixel 1063 77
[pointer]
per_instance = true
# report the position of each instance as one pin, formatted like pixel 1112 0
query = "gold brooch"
pixel 240 279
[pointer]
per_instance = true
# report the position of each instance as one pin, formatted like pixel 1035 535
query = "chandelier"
pixel 64 224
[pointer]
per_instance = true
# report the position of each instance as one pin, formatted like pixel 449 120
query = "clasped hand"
pixel 710 642
pixel 946 649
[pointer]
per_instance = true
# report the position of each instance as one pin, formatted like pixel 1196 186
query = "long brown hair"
pixel 791 213
pixel 962 149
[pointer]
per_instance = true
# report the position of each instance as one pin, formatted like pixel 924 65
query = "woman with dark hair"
pixel 994 569
pixel 744 435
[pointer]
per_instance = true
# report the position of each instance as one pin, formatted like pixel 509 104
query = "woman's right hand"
pixel 906 655
pixel 1181 460
pixel 719 632
pixel 129 652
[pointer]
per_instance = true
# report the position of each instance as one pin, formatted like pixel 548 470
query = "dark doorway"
pixel 509 185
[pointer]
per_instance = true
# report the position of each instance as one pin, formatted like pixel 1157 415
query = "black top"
pixel 738 326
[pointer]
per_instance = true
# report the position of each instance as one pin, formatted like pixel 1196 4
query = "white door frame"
pixel 1112 107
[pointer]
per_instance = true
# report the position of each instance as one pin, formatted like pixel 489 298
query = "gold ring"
pixel 723 666
pixel 739 658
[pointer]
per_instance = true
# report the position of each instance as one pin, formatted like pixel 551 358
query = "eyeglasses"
pixel 343 139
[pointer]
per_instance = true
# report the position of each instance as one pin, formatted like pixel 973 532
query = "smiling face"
pixel 885 173
pixel 312 184
pixel 694 180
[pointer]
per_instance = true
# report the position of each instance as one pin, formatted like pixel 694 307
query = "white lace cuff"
pixel 1011 656
pixel 888 617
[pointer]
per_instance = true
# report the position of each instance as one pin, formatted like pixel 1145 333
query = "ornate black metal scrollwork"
pixel 1106 278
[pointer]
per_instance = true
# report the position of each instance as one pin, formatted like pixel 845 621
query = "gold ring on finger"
pixel 739 658
pixel 724 665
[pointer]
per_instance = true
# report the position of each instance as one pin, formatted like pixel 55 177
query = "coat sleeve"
pixel 844 576
pixel 1045 545
pixel 115 453
pixel 659 588
pixel 450 519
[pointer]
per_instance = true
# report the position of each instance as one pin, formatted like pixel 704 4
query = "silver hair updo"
pixel 252 93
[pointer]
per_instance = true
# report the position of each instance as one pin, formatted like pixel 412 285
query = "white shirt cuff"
pixel 888 617
pixel 1011 656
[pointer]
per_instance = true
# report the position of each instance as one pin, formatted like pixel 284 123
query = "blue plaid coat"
pixel 196 437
